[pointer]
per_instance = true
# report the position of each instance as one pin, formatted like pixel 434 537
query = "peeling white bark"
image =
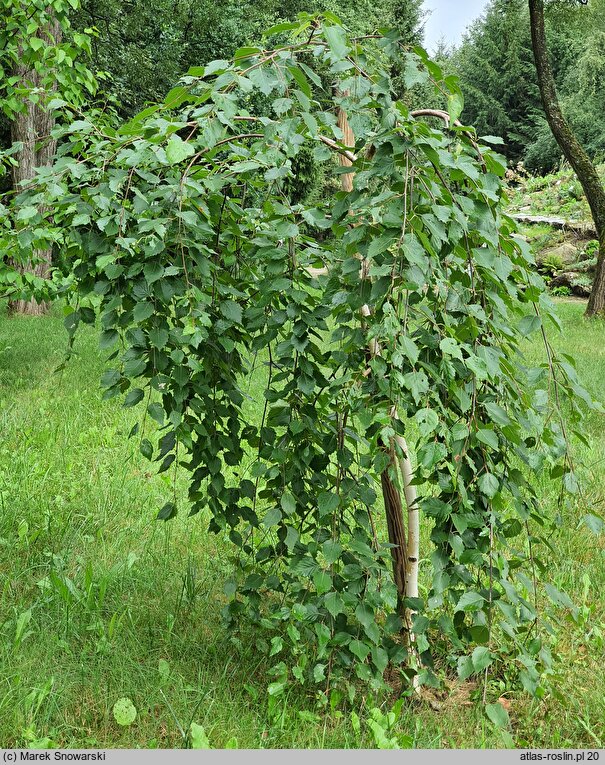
pixel 411 501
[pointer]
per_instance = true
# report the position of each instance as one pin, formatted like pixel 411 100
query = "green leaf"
pixel 481 658
pixel 498 715
pixel 451 348
pixel 218 65
pixel 380 658
pixel 331 550
pixel 335 38
pixel 177 150
pixel 146 448
pixel 327 503
pixel 570 482
pixel 334 604
pixel 124 711
pixel 470 601
pixel 496 140
pixel 322 581
pixel 323 637
pixel 529 324
pixel 198 737
pixel 282 105
pixel 285 26
pixel 272 518
pixel 176 97
pixel 559 598
pixel 412 73
pixel 133 397
pixel 489 485
pixel 594 523
pixel 488 437
pixel 82 219
pixel 365 615
pixel 143 311
pixel 300 80
pixel 158 337
pixel 497 413
pixel 455 105
pixel 156 412
pixel 231 311
pixel 288 503
pixel 168 512
pixel 245 52
pixel 277 644
pixel 359 649
pixel 292 537
pixel 410 349
pixel 465 667
pixel 428 421
pixel 134 367
pixel 153 272
pixel 108 338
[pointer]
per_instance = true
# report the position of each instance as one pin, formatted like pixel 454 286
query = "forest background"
pixel 141 49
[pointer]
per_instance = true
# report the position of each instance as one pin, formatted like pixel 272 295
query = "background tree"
pixel 145 47
pixel 496 68
pixel 572 148
pixel 37 66
pixel 497 75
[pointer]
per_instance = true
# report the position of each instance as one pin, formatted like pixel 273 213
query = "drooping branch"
pixel 406 553
pixel 439 113
pixel 349 155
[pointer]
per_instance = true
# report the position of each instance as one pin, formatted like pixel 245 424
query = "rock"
pixel 564 253
pixel 576 282
pixel 582 227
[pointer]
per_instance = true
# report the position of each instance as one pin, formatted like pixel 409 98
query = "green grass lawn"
pixel 99 601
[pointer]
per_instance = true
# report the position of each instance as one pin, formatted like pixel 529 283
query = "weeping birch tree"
pixel 386 322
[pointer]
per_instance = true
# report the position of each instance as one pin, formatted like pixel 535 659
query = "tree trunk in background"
pixel 571 148
pixel 32 128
